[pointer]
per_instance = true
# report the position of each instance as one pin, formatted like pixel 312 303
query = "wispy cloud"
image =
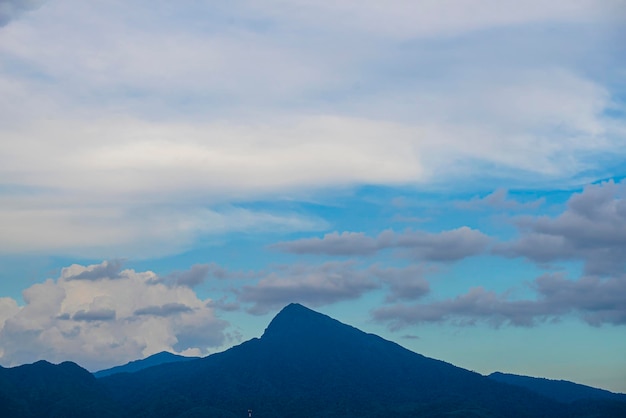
pixel 499 199
pixel 594 300
pixel 313 285
pixel 12 9
pixel 445 246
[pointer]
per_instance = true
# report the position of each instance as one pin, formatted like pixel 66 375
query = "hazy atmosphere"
pixel 450 175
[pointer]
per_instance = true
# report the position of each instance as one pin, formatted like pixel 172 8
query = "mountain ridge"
pixel 157 359
pixel 560 390
pixel 305 364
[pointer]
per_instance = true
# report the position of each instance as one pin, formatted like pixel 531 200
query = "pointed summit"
pixel 296 321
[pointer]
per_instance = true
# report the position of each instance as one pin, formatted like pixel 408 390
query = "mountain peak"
pixel 296 319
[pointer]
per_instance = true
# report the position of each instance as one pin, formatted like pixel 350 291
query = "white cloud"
pixel 105 321
pixel 408 19
pixel 122 133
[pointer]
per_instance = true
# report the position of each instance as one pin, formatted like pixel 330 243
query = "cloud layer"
pixel 114 127
pixel 445 246
pixel 594 300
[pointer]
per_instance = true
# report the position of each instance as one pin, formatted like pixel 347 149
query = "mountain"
pixel 305 364
pixel 43 389
pixel 560 390
pixel 134 366
pixel 308 364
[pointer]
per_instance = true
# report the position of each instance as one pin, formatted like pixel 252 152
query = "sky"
pixel 450 175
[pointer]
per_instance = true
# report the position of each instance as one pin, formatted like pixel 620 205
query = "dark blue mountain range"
pixel 134 366
pixel 305 365
pixel 560 390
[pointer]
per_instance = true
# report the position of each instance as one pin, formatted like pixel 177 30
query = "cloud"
pixel 406 283
pixel 137 232
pixel 95 315
pixel 313 285
pixel 591 229
pixel 138 138
pixel 401 19
pixel 12 9
pixel 164 310
pixel 445 246
pixel 108 269
pixel 499 199
pixel 105 321
pixel 596 301
pixel 346 243
pixel 199 273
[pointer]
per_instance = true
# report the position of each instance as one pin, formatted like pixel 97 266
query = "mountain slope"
pixel 43 389
pixel 307 364
pixel 134 366
pixel 559 390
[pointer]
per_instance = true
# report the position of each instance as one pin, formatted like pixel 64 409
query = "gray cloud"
pixel 105 270
pixel 591 229
pixel 94 315
pixel 223 304
pixel 314 285
pixel 12 9
pixel 594 300
pixel 199 273
pixel 164 310
pixel 199 334
pixel 444 246
pixel 196 275
pixel 346 243
pixel 404 283
pixel 499 199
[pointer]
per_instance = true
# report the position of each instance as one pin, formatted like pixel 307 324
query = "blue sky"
pixel 447 174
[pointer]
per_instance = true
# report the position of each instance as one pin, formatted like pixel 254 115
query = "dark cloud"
pixel 94 315
pixel 12 9
pixel 499 199
pixel 201 335
pixel 105 270
pixel 346 243
pixel 313 285
pixel 196 275
pixel 224 305
pixel 404 283
pixel 596 301
pixel 199 273
pixel 445 246
pixel 591 229
pixel 164 310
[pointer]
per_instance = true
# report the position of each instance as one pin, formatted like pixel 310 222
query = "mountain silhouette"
pixel 560 390
pixel 134 366
pixel 308 364
pixel 305 364
pixel 43 389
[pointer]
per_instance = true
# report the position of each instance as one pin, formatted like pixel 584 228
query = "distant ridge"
pixel 43 389
pixel 559 390
pixel 134 366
